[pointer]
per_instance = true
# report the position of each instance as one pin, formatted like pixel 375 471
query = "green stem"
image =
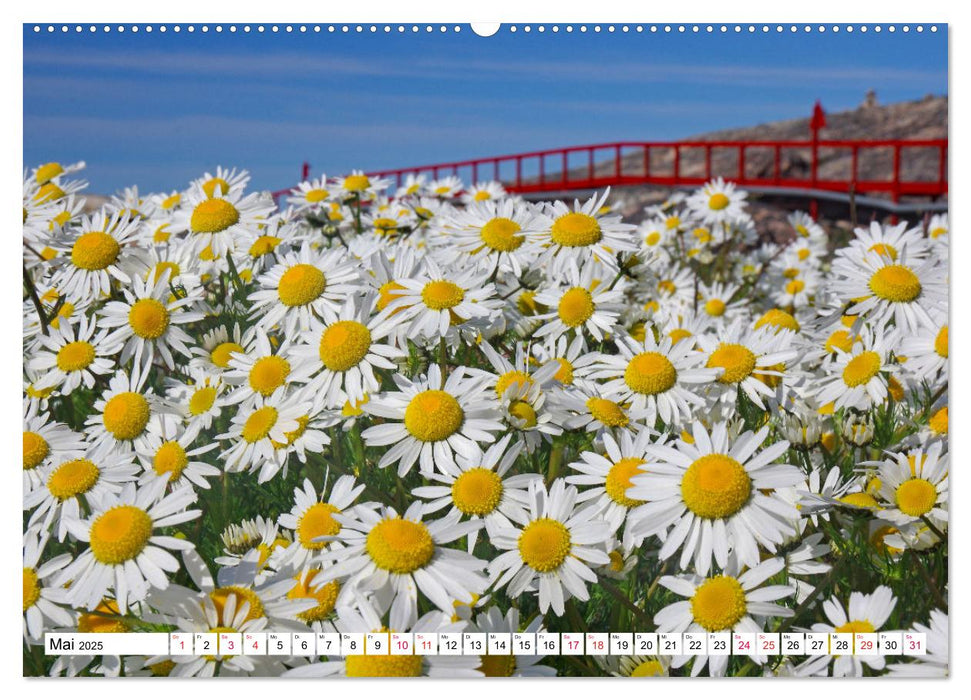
pixel 625 601
pixel 32 292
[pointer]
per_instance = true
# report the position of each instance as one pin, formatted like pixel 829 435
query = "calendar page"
pixel 465 351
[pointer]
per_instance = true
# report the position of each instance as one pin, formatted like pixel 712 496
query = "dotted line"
pixel 512 28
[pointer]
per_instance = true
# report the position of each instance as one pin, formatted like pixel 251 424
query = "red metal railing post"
pixel 777 163
pixel 741 163
pixel 519 172
pixel 617 168
pixel 566 173
pixel 707 161
pixel 677 161
pixel 590 163
pixel 647 162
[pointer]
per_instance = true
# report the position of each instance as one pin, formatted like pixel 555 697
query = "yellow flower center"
pixel 860 499
pixel 95 250
pixel 212 184
pixel 477 491
pixel 650 373
pixel 386 295
pixel 482 196
pixel 400 546
pixel 861 368
pixel 47 172
pixel 653 238
pixel 895 283
pixel 102 620
pixel 31 588
pixel 497 665
pixel 385 227
pixel 433 415
pixel 576 307
pixel 672 222
pixel 316 195
pixel 715 486
pixel 36 449
pixel 564 375
pixel 264 245
pixel 383 666
pixel 514 377
pixel 356 183
pixel 300 285
pixel 718 603
pixel 49 192
pixel 126 415
pixel 940 342
pixel 442 294
pixel 202 400
pixel 616 560
pixel 915 497
pixel 325 594
pixel 855 626
pixel 544 544
pixel 243 594
pixel 524 411
pixel 162 669
pixel 170 459
pixel 718 201
pixel 213 216
pixel 317 521
pixel 795 286
pixel 222 353
pixel 268 374
pixel 607 412
pixel 938 422
pixel 839 340
pixel 737 361
pixel 619 480
pixel 778 318
pixel 575 230
pixel 163 267
pixel 715 307
pixel 678 334
pixel 884 250
pixel 343 345
pixel 259 424
pixel 502 234
pixel 120 534
pixel 171 201
pixel 148 318
pixel 648 669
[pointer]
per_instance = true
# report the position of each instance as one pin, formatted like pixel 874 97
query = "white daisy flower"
pixel 398 556
pixel 73 354
pixel 215 221
pixel 725 602
pixel 510 665
pixel 492 234
pixel 867 613
pixel 198 400
pixel 302 286
pixel 119 418
pixel 718 203
pixel 312 518
pixel 926 350
pixel 713 496
pixel 434 419
pixel 935 663
pixel 45 442
pixel 914 484
pixel 858 378
pixel 359 186
pixel 553 550
pixel 217 347
pixel 124 554
pixel 44 605
pixel 167 451
pixel 587 304
pixel 264 368
pixel 310 194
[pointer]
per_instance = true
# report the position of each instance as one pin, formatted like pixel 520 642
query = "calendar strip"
pixel 488 644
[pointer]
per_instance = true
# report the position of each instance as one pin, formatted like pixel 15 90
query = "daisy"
pixel 123 552
pixel 167 451
pixel 858 378
pixel 43 604
pixel 223 182
pixel 119 418
pixel 99 256
pixel 887 241
pixel 263 369
pixel 434 419
pixel 261 430
pixel 715 301
pixel 581 234
pixel 217 348
pixel 935 663
pixel 312 518
pixel 48 172
pixel 344 353
pixel 215 221
pixel 414 186
pixel 725 602
pixel 747 358
pixel 937 232
pixel 605 476
pixel 363 618
pixel 260 534
pixel 198 400
pixel 655 378
pixel 553 549
pixel 433 301
pixel 310 194
pixel 867 613
pixel 493 235
pixel 483 192
pixel 446 187
pixel 805 226
pixel 478 488
pixel 148 321
pixel 397 556
pixel 718 203
pixel 303 286
pixel 359 186
pixel 914 484
pixel 926 350
pixel 569 357
pixel 45 442
pixel 637 666
pixel 510 665
pixel 906 290
pixel 715 494
pixel 587 304
pixel 589 407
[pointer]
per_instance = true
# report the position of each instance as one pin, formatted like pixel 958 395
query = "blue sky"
pixel 158 109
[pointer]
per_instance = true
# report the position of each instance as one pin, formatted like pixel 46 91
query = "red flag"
pixel 819 118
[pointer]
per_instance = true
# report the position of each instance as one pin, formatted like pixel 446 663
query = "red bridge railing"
pixel 802 166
